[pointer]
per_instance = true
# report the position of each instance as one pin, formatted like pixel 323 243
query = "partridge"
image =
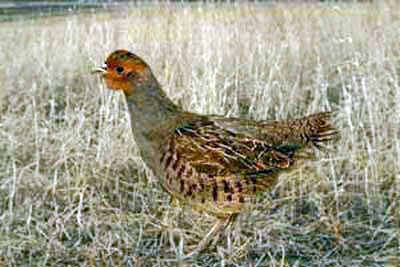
pixel 215 163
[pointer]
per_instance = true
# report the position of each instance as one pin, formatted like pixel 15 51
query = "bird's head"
pixel 125 71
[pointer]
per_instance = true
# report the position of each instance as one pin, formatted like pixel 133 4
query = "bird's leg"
pixel 229 221
pixel 232 219
pixel 219 226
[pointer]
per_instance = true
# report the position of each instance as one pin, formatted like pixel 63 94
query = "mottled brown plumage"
pixel 212 162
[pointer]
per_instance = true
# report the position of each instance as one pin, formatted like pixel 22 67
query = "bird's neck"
pixel 149 107
pixel 152 116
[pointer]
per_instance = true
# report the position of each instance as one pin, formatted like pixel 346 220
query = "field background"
pixel 74 191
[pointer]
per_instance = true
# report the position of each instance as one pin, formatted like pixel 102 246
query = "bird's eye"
pixel 119 69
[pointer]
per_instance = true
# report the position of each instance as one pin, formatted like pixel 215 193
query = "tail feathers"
pixel 316 129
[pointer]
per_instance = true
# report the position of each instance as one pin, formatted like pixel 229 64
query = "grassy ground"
pixel 74 191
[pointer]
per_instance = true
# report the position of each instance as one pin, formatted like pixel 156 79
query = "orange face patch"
pixel 115 81
pixel 124 70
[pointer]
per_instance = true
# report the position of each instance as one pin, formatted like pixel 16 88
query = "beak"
pixel 102 69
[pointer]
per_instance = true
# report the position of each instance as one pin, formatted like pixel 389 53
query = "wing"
pixel 208 163
pixel 313 130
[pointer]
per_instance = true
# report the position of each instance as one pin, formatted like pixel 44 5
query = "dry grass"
pixel 74 191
